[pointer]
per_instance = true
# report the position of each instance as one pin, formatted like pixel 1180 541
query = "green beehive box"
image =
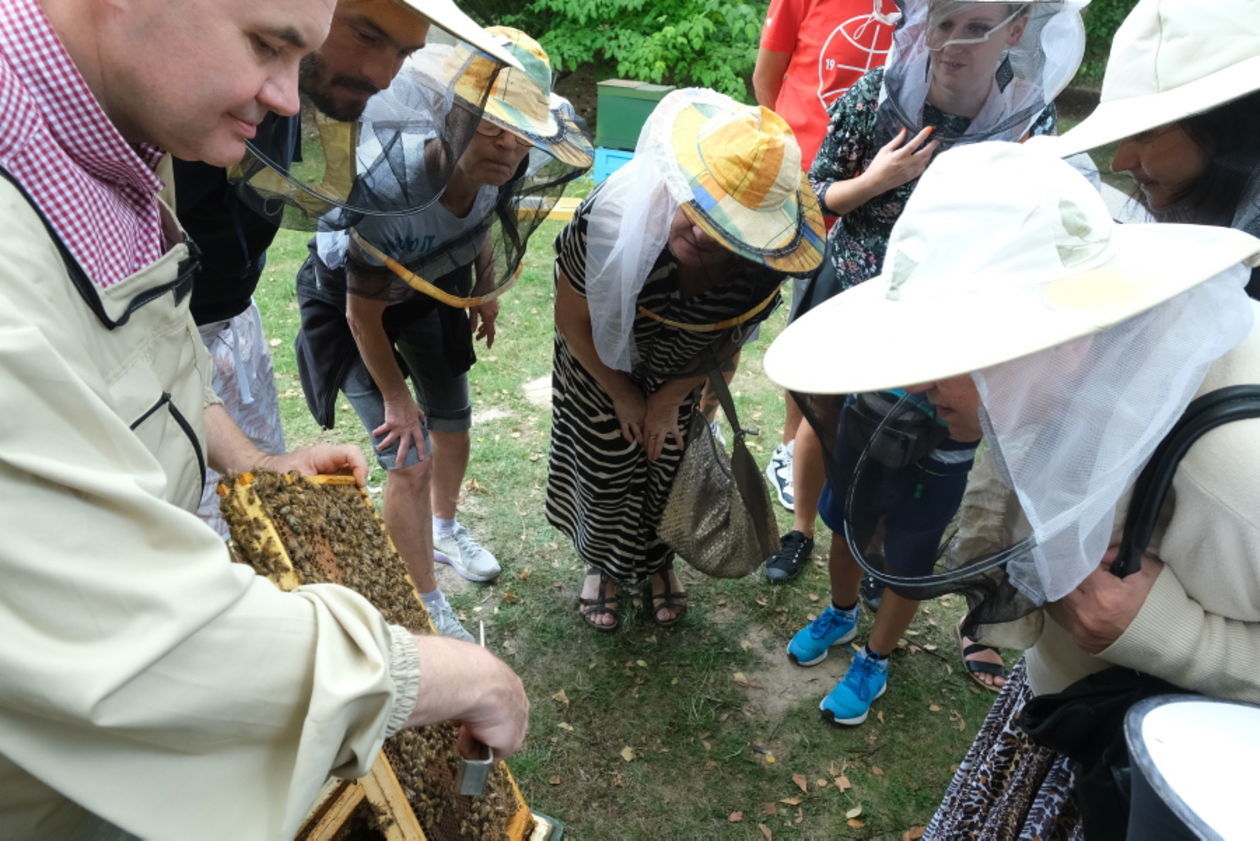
pixel 622 106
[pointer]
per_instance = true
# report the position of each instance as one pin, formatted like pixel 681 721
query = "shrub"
pixel 1102 18
pixel 710 43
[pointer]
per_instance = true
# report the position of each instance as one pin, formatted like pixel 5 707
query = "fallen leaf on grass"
pixel 821 782
pixel 880 716
pixel 765 832
pixel 510 598
pixel 735 817
pixel 934 707
pixel 642 664
pixel 627 753
pixel 843 784
pixel 854 812
pixel 524 574
pixel 914 833
pixel 790 801
pixel 801 782
pixel 746 645
pixel 769 809
pixel 855 823
pixel 554 780
pixel 564 725
pixel 877 771
pixel 561 698
pixel 743 680
pixel 813 597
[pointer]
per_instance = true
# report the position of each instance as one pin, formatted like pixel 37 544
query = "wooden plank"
pixel 331 815
pixel 383 789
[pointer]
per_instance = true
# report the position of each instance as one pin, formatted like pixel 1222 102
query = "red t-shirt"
pixel 831 44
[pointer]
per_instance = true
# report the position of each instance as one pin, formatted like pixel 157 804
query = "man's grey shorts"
pixel 442 396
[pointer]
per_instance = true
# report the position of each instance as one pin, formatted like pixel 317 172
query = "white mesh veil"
pixel 1024 80
pixel 1070 428
pixel 624 237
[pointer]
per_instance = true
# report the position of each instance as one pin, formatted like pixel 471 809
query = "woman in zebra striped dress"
pixel 661 273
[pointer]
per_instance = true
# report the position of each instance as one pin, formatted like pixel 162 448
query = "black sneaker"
pixel 785 564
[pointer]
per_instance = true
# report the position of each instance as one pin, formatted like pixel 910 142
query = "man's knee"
pixel 413 478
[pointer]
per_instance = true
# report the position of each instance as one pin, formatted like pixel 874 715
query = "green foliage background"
pixel 1102 17
pixel 710 43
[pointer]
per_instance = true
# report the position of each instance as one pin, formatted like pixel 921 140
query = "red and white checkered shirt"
pixel 99 192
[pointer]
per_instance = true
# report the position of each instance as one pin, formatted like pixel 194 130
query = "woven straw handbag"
pixel 718 515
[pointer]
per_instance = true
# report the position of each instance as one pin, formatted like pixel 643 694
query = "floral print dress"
pixel 858 241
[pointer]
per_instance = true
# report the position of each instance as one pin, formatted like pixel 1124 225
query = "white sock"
pixel 433 599
pixel 443 528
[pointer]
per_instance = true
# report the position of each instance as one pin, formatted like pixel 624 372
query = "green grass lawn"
pixel 697 732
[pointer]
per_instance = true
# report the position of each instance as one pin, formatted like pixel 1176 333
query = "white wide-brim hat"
pixel 1003 250
pixel 445 15
pixel 1171 59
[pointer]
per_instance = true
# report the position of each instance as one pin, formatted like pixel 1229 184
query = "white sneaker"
pixel 779 472
pixel 465 555
pixel 443 616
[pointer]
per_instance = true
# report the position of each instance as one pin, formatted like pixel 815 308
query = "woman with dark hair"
pixel 1201 168
pixel 1181 94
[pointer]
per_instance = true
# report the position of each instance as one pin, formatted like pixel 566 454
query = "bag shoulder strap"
pixel 743 466
pixel 1204 414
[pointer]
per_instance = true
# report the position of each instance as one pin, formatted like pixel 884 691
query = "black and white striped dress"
pixel 602 491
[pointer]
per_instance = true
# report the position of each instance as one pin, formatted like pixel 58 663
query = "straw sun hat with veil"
pixel 1085 340
pixel 516 101
pixel 734 170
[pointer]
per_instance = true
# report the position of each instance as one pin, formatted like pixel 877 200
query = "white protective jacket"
pixel 147 684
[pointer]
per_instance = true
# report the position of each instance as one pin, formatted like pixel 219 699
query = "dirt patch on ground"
pixel 776 686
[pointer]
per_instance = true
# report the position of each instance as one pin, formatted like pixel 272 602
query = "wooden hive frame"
pixel 263 535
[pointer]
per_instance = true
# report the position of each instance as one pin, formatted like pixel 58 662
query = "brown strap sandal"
pixel 667 599
pixel 602 605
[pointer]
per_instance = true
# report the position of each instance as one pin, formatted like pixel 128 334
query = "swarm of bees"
pixel 296 530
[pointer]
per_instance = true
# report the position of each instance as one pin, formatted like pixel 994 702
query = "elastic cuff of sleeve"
pixel 1166 625
pixel 404 668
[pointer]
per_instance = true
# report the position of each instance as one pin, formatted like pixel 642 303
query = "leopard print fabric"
pixel 1008 788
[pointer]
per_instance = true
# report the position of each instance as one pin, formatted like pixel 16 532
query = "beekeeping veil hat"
pixel 519 102
pixel 1086 339
pixel 341 165
pixel 1024 79
pixel 735 170
pixel 1171 59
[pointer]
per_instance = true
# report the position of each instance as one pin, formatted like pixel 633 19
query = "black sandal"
pixel 602 605
pixel 667 599
pixel 975 668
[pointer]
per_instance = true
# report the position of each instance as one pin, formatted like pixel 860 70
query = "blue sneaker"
pixel 832 627
pixel 850 700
